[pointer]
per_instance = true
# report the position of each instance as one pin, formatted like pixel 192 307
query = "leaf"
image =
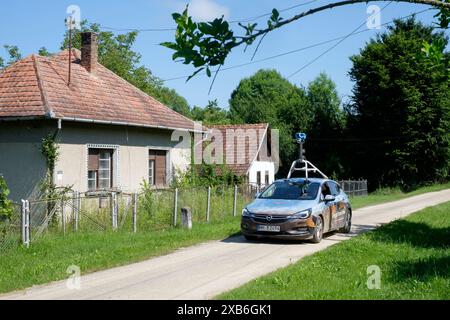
pixel 194 74
pixel 208 72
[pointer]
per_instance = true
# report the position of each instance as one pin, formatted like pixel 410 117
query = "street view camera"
pixel 300 137
pixel 304 164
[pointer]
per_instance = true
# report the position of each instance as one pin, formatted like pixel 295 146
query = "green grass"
pixel 392 194
pixel 413 255
pixel 48 259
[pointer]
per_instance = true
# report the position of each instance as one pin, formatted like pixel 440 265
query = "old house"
pixel 247 151
pixel 111 135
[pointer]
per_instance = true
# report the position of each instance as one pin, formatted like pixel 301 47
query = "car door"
pixel 329 211
pixel 339 204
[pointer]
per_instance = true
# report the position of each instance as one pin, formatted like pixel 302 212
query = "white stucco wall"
pixel 131 149
pixel 262 166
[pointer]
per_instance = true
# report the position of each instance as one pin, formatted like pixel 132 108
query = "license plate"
pixel 265 228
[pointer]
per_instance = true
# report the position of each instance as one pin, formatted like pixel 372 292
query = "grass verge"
pixel 392 194
pixel 48 259
pixel 413 255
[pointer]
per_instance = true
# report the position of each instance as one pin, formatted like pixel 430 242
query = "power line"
pixel 269 14
pixel 333 46
pixel 235 21
pixel 299 49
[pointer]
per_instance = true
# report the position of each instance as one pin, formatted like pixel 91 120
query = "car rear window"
pixel 287 190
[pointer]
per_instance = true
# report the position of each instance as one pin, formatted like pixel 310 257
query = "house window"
pixel 267 178
pixel 157 172
pixel 100 169
pixel 258 178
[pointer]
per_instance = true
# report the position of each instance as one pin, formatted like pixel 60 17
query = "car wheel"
pixel 251 238
pixel 348 223
pixel 318 231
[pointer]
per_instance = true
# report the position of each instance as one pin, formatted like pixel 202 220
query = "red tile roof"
pixel 244 150
pixel 37 87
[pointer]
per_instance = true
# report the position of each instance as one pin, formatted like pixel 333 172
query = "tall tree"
pixel 211 114
pixel 324 145
pixel 401 109
pixel 116 54
pixel 268 97
pixel 14 54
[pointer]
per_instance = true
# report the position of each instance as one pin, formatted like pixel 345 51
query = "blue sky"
pixel 33 24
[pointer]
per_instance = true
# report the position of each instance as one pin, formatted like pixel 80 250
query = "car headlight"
pixel 246 213
pixel 305 214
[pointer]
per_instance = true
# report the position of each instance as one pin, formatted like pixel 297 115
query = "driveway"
pixel 203 271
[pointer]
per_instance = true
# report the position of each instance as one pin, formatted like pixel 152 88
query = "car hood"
pixel 281 207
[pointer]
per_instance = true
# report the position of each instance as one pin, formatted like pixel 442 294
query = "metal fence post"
pixel 208 205
pixel 63 216
pixel 26 223
pixel 175 207
pixel 77 206
pixel 135 203
pixel 114 210
pixel 235 200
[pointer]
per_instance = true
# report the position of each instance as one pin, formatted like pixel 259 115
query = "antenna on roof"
pixel 308 166
pixel 70 24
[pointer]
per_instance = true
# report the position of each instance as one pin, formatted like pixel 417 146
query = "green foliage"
pixel 211 114
pixel 6 208
pixel 206 175
pixel 401 109
pixel 266 97
pixel 116 53
pixel 208 44
pixel 49 149
pixel 2 63
pixel 14 54
pixel 204 44
pixel 327 126
pixel 44 52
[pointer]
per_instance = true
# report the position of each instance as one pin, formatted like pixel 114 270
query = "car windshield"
pixel 288 190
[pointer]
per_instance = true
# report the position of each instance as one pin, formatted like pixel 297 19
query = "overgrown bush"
pixel 6 207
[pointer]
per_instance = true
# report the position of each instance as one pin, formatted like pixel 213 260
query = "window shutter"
pixel 93 159
pixel 160 165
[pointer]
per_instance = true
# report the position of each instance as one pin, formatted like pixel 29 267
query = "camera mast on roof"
pixel 307 166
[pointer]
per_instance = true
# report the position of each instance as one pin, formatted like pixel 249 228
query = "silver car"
pixel 298 208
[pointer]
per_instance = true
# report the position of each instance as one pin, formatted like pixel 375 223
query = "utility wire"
pixel 269 14
pixel 299 49
pixel 235 21
pixel 333 46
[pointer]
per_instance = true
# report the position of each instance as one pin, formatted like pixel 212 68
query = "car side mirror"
pixel 329 198
pixel 257 195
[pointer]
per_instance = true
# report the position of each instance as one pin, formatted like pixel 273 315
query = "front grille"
pixel 275 218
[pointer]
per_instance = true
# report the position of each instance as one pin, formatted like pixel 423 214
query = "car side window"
pixel 334 188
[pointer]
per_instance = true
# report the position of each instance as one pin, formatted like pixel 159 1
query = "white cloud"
pixel 205 10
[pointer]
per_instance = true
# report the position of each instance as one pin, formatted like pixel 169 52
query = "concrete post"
pixel 26 223
pixel 135 203
pixel 186 218
pixel 114 210
pixel 208 205
pixel 175 207
pixel 235 200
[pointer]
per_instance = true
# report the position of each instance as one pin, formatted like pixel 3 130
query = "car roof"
pixel 300 180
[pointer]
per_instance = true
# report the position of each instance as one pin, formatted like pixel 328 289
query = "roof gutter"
pixel 51 116
pixel 128 124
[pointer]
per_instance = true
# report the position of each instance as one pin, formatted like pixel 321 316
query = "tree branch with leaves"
pixel 206 45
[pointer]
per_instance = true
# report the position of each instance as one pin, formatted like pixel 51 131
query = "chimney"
pixel 89 51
